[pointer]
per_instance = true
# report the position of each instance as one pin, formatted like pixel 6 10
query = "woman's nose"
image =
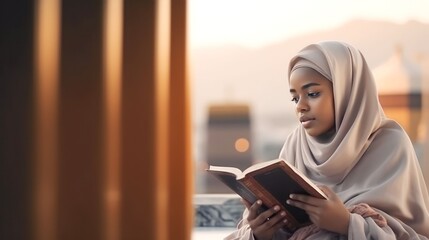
pixel 302 106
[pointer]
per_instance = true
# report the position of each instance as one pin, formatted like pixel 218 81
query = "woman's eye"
pixel 313 94
pixel 294 99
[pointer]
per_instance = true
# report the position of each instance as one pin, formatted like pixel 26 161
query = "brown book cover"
pixel 272 182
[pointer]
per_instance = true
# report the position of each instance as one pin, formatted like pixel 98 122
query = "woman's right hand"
pixel 264 224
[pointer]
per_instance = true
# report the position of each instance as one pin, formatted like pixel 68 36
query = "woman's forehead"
pixel 307 74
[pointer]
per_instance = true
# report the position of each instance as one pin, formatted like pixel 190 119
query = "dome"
pixel 398 75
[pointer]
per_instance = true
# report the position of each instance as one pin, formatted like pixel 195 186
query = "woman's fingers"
pixel 254 209
pixel 265 223
pixel 301 204
pixel 276 220
pixel 266 215
pixel 306 199
pixel 246 203
pixel 268 219
pixel 271 224
pixel 329 193
pixel 307 203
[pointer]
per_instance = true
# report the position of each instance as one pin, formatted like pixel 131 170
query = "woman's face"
pixel 314 99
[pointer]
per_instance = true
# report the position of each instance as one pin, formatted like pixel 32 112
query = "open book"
pixel 272 182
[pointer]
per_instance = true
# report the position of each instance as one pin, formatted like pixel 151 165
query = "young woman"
pixel 362 160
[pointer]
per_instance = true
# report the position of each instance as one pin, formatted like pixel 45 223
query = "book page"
pixel 230 180
pixel 237 172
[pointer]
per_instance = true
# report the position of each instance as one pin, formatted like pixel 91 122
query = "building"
pixel 399 82
pixel 228 140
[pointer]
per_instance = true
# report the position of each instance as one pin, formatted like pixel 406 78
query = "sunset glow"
pixel 256 23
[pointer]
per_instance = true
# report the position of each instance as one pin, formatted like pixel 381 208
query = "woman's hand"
pixel 264 224
pixel 329 214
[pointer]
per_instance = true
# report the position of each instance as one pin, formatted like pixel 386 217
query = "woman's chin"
pixel 321 137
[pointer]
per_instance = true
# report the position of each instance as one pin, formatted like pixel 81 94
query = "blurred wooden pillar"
pixel 47 46
pixel 16 118
pixel 180 160
pixel 61 188
pixel 138 183
pixel 112 75
pixel 80 165
pixel 156 166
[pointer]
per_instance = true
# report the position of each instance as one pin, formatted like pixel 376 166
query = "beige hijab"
pixel 370 159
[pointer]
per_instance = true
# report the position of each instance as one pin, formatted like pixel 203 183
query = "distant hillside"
pixel 376 39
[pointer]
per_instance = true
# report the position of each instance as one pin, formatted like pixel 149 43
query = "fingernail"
pixel 292 196
pixel 285 221
pixel 289 202
pixel 276 208
pixel 259 202
pixel 283 214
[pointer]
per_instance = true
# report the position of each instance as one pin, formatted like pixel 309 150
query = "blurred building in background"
pixel 399 82
pixel 229 135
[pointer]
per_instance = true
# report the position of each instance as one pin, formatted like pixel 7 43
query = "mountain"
pixel 375 39
pixel 259 76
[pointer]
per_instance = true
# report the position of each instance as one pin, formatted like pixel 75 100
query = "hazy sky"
pixel 253 23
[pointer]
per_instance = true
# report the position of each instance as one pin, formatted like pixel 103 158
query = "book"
pixel 272 182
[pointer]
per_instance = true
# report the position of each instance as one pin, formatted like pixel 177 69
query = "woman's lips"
pixel 306 121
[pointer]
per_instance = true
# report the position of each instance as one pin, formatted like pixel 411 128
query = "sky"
pixel 254 23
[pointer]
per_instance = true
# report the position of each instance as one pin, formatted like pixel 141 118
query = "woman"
pixel 363 161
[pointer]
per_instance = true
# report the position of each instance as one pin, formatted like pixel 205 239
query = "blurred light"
pixel 113 21
pixel 242 145
pixel 47 54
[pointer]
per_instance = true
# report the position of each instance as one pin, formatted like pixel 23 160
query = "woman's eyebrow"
pixel 305 86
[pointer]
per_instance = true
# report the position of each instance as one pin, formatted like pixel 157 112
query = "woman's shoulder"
pixel 390 142
pixel 392 133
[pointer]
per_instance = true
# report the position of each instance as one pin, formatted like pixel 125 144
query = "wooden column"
pixel 138 166
pixel 80 165
pixel 180 159
pixel 112 75
pixel 95 122
pixel 156 166
pixel 16 118
pixel 47 48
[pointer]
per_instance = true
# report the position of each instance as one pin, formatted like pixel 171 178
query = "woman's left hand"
pixel 329 214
